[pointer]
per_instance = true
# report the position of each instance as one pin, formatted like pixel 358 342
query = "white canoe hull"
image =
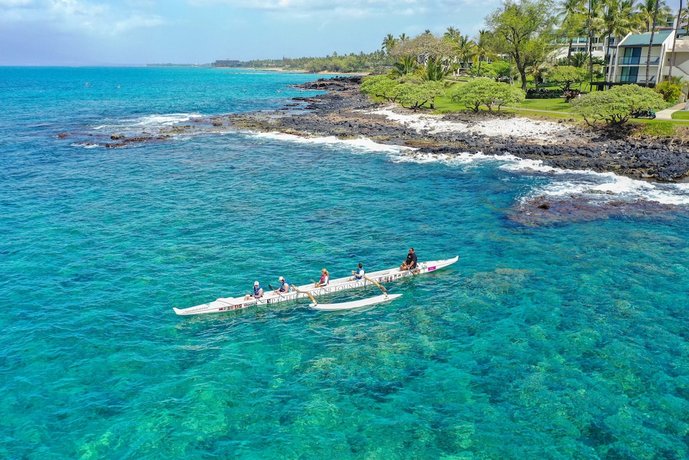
pixel 355 303
pixel 341 284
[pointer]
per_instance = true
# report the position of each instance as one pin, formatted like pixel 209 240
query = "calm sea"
pixel 554 341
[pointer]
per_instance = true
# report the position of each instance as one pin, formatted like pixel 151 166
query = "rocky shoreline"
pixel 345 113
pixel 645 183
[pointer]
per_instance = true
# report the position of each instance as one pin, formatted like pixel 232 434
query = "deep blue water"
pixel 560 341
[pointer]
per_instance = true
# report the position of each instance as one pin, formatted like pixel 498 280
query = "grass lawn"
pixel 558 109
pixel 659 128
pixel 681 115
pixel 538 108
pixel 557 104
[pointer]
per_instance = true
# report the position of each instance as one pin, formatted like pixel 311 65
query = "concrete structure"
pixel 628 61
pixel 579 45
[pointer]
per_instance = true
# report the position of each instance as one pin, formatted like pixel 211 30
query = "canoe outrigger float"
pixel 308 290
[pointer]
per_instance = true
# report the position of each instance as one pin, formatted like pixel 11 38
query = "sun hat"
pixel 282 278
pixel 256 283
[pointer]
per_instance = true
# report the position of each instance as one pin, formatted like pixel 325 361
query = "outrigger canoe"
pixel 224 304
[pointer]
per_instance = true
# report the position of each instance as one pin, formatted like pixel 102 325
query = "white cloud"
pixel 80 15
pixel 351 8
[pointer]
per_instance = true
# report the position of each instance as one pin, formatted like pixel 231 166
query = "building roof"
pixel 643 39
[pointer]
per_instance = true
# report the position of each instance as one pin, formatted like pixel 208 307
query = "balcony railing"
pixel 638 61
pixel 638 80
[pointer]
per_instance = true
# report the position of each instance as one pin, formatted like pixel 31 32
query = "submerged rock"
pixel 544 210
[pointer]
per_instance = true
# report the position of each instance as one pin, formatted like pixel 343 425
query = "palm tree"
pixel 674 41
pixel 649 11
pixel 452 34
pixel 481 47
pixel 593 26
pixel 403 38
pixel 405 65
pixel 572 13
pixel 684 18
pixel 389 43
pixel 618 20
pixel 465 49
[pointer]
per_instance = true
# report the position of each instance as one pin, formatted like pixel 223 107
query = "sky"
pixel 135 32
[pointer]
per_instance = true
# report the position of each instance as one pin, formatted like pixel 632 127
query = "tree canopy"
pixel 617 105
pixel 524 32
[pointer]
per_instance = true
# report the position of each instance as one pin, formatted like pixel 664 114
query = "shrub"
pixel 616 106
pixel 543 93
pixel 566 75
pixel 412 95
pixel 486 92
pixel 380 86
pixel 669 90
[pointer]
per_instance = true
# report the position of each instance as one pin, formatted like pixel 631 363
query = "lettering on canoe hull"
pixel 323 290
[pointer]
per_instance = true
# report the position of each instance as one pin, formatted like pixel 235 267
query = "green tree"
pixel 435 70
pixel 379 86
pixel 483 48
pixel 618 21
pixel 462 46
pixel 573 17
pixel 648 12
pixel 615 106
pixel 669 90
pixel 486 92
pixel 412 95
pixel 566 75
pixel 404 65
pixel 389 43
pixel 523 31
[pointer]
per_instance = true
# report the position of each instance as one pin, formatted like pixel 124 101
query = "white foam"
pixel 85 145
pixel 169 119
pixel 147 121
pixel 609 186
pixel 516 127
pixel 360 143
pixel 592 185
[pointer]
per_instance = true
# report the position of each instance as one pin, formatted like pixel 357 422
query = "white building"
pixel 628 62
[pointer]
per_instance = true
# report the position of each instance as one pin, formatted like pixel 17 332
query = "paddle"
pixel 380 286
pixel 308 294
pixel 298 291
pixel 276 290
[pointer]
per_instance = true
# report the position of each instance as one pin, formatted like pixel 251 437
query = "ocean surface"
pixel 566 340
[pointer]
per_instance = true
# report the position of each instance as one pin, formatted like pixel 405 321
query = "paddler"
pixel 359 273
pixel 258 292
pixel 410 262
pixel 325 278
pixel 284 286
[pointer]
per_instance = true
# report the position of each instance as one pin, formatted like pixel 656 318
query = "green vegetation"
pixel 409 92
pixel 565 76
pixel 617 105
pixel 524 32
pixel 669 90
pixel 486 92
pixel 656 128
pixel 363 62
pixel 557 105
pixel 454 71
pixel 415 95
pixel 681 115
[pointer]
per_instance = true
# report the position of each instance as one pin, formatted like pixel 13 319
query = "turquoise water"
pixel 566 341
